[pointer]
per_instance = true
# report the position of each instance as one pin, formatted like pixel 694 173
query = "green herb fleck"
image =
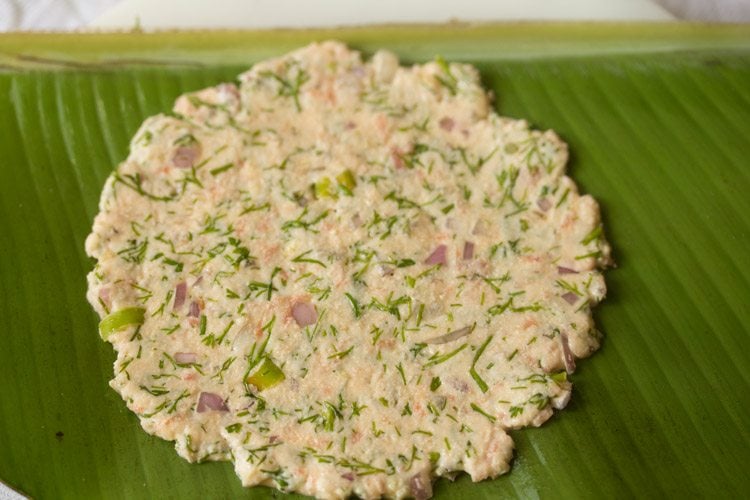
pixel 437 358
pixel 482 412
pixel 341 354
pixel 472 371
pixel 218 170
pixel 302 258
pixel 435 384
pixel 354 303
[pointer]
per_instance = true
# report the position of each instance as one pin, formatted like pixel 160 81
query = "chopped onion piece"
pixel 185 358
pixel 450 337
pixel 544 204
pixel 468 250
pixel 195 309
pixel 566 270
pixel 568 358
pixel 447 123
pixel 304 313
pixel 438 256
pixel 267 376
pixel 121 319
pixel 180 292
pixel 421 487
pixel 186 156
pixel 208 401
pixel 570 298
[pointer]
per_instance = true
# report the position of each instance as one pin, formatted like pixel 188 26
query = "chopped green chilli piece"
pixel 324 188
pixel 347 181
pixel 267 376
pixel 120 319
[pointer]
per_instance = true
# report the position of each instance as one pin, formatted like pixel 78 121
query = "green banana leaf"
pixel 658 122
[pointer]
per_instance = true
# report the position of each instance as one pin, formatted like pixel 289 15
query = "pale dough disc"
pixel 347 277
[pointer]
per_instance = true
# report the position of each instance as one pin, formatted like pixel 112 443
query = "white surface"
pixel 8 494
pixel 161 14
pixel 49 14
pixel 734 11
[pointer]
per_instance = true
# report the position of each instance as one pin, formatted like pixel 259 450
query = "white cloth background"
pixel 28 15
pixel 307 13
pixel 727 11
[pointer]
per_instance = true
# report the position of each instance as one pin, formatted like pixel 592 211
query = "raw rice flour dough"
pixel 345 276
